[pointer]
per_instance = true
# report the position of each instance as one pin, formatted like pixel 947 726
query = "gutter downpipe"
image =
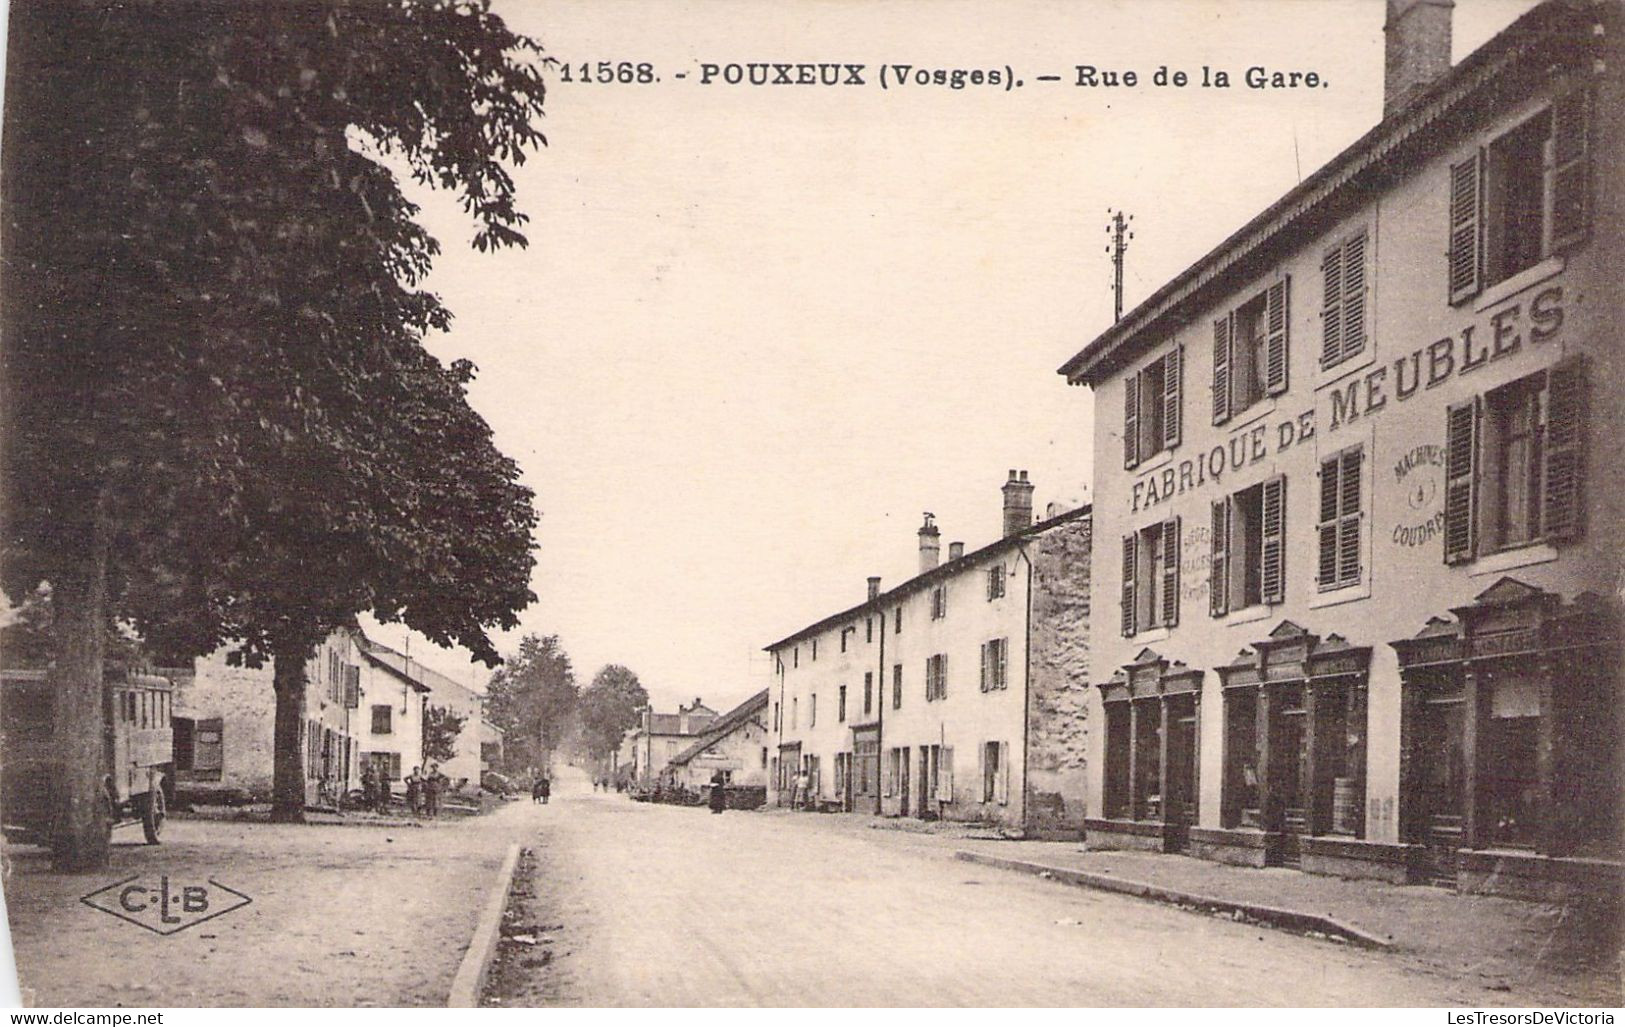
pixel 880 720
pixel 1026 687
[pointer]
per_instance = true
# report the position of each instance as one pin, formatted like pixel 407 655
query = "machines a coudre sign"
pixel 1500 335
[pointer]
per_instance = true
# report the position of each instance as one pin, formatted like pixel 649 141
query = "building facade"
pixel 734 745
pixel 1359 611
pixel 659 738
pixel 959 694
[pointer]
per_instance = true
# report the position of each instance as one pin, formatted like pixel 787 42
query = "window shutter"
pixel 1222 329
pixel 1219 568
pixel 1276 319
pixel 1130 561
pixel 1460 482
pixel 1131 420
pixel 1170 572
pixel 942 676
pixel 1465 264
pixel 1353 297
pixel 1348 525
pixel 1331 307
pixel 1327 569
pixel 1004 772
pixel 981 772
pixel 1004 662
pixel 1273 576
pixel 1568 174
pixel 1565 451
pixel 1173 376
pixel 945 775
pixel 985 657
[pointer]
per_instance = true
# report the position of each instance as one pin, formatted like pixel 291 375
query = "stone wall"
pixel 1057 696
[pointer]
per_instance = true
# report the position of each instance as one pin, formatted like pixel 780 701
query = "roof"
pixel 1532 45
pixel 404 667
pixel 725 725
pixel 934 575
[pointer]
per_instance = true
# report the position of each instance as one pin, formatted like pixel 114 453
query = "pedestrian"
pixel 414 790
pixel 433 784
pixel 369 787
pixel 803 784
pixel 546 787
pixel 536 790
pixel 719 792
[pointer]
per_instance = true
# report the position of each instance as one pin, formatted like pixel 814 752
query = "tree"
pixel 532 697
pixel 219 420
pixel 609 707
pixel 440 730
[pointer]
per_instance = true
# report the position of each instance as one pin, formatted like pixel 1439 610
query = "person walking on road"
pixel 719 792
pixel 546 788
pixel 414 791
pixel 433 783
pixel 369 787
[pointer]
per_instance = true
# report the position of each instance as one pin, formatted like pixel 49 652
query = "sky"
pixel 759 330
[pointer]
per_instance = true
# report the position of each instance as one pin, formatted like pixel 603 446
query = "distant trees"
pixel 441 727
pixel 610 705
pixel 533 699
pixel 219 420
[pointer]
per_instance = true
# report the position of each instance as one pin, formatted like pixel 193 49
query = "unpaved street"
pixel 640 904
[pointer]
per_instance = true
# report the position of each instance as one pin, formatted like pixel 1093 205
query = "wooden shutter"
pixel 1326 573
pixel 1465 270
pixel 1219 568
pixel 1004 663
pixel 1130 562
pixel 1460 481
pixel 1331 307
pixel 981 773
pixel 1568 171
pixel 1173 375
pixel 1348 518
pixel 1565 452
pixel 1277 317
pixel 985 658
pixel 1223 328
pixel 1004 772
pixel 942 675
pixel 945 775
pixel 1273 572
pixel 1170 572
pixel 1353 297
pixel 1131 420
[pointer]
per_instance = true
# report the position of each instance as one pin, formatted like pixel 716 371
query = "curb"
pixel 470 979
pixel 1290 919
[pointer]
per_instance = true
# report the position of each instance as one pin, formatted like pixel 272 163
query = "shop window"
pixel 1241 806
pixel 995 658
pixel 1340 520
pixel 1250 352
pixel 1151 408
pixel 1247 565
pixel 1150 596
pixel 1521 199
pixel 1118 743
pixel 1342 310
pixel 1514 465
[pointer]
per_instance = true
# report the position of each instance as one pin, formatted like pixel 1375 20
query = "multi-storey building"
pixel 1360 611
pixel 734 745
pixel 658 738
pixel 958 694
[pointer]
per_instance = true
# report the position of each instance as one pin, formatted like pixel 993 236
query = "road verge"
pixel 482 948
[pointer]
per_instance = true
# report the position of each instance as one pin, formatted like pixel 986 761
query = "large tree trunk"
pixel 79 620
pixel 288 761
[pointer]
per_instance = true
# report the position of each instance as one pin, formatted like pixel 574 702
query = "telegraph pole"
pixel 1118 229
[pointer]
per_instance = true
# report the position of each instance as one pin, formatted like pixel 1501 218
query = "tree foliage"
pixel 610 706
pixel 220 420
pixel 441 727
pixel 533 698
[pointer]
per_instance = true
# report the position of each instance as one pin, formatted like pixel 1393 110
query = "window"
pixel 1521 199
pixel 897 624
pixel 1151 408
pixel 936 677
pixel 1514 465
pixel 996 772
pixel 1339 524
pixel 939 602
pixel 840 705
pixel 995 582
pixel 764 757
pixel 1151 577
pixel 1248 564
pixel 778 725
pixel 815 650
pixel 868 692
pixel 1249 352
pixel 868 629
pixel 795 657
pixel 795 712
pixel 382 720
pixel 1342 302
pixel 897 686
pixel 812 710
pixel 844 632
pixel 994 658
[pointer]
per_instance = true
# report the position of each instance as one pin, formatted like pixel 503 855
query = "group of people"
pixel 542 789
pixel 423 791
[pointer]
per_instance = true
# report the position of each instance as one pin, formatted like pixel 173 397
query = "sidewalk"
pixel 369 915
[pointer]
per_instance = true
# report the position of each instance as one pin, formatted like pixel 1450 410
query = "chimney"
pixel 956 550
pixel 1018 503
pixel 1416 48
pixel 874 588
pixel 930 547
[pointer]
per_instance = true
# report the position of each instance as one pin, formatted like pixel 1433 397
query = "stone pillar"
pixel 1470 828
pixel 1133 760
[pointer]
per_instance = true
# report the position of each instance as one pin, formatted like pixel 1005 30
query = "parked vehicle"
pixel 495 783
pixel 138 753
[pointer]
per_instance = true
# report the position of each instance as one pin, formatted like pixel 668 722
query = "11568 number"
pixel 624 72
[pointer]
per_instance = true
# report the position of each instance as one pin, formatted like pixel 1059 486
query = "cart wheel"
pixel 153 813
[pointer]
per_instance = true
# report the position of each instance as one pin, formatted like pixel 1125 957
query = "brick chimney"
pixel 930 546
pixel 874 587
pixel 1018 503
pixel 955 550
pixel 1416 48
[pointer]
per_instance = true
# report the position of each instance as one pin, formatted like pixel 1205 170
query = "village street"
pixel 640 904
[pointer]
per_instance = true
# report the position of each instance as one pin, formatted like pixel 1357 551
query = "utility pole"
pixel 1118 229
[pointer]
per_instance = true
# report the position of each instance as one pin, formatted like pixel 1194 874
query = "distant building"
pixel 1356 472
pixel 659 737
pixel 959 694
pixel 735 745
